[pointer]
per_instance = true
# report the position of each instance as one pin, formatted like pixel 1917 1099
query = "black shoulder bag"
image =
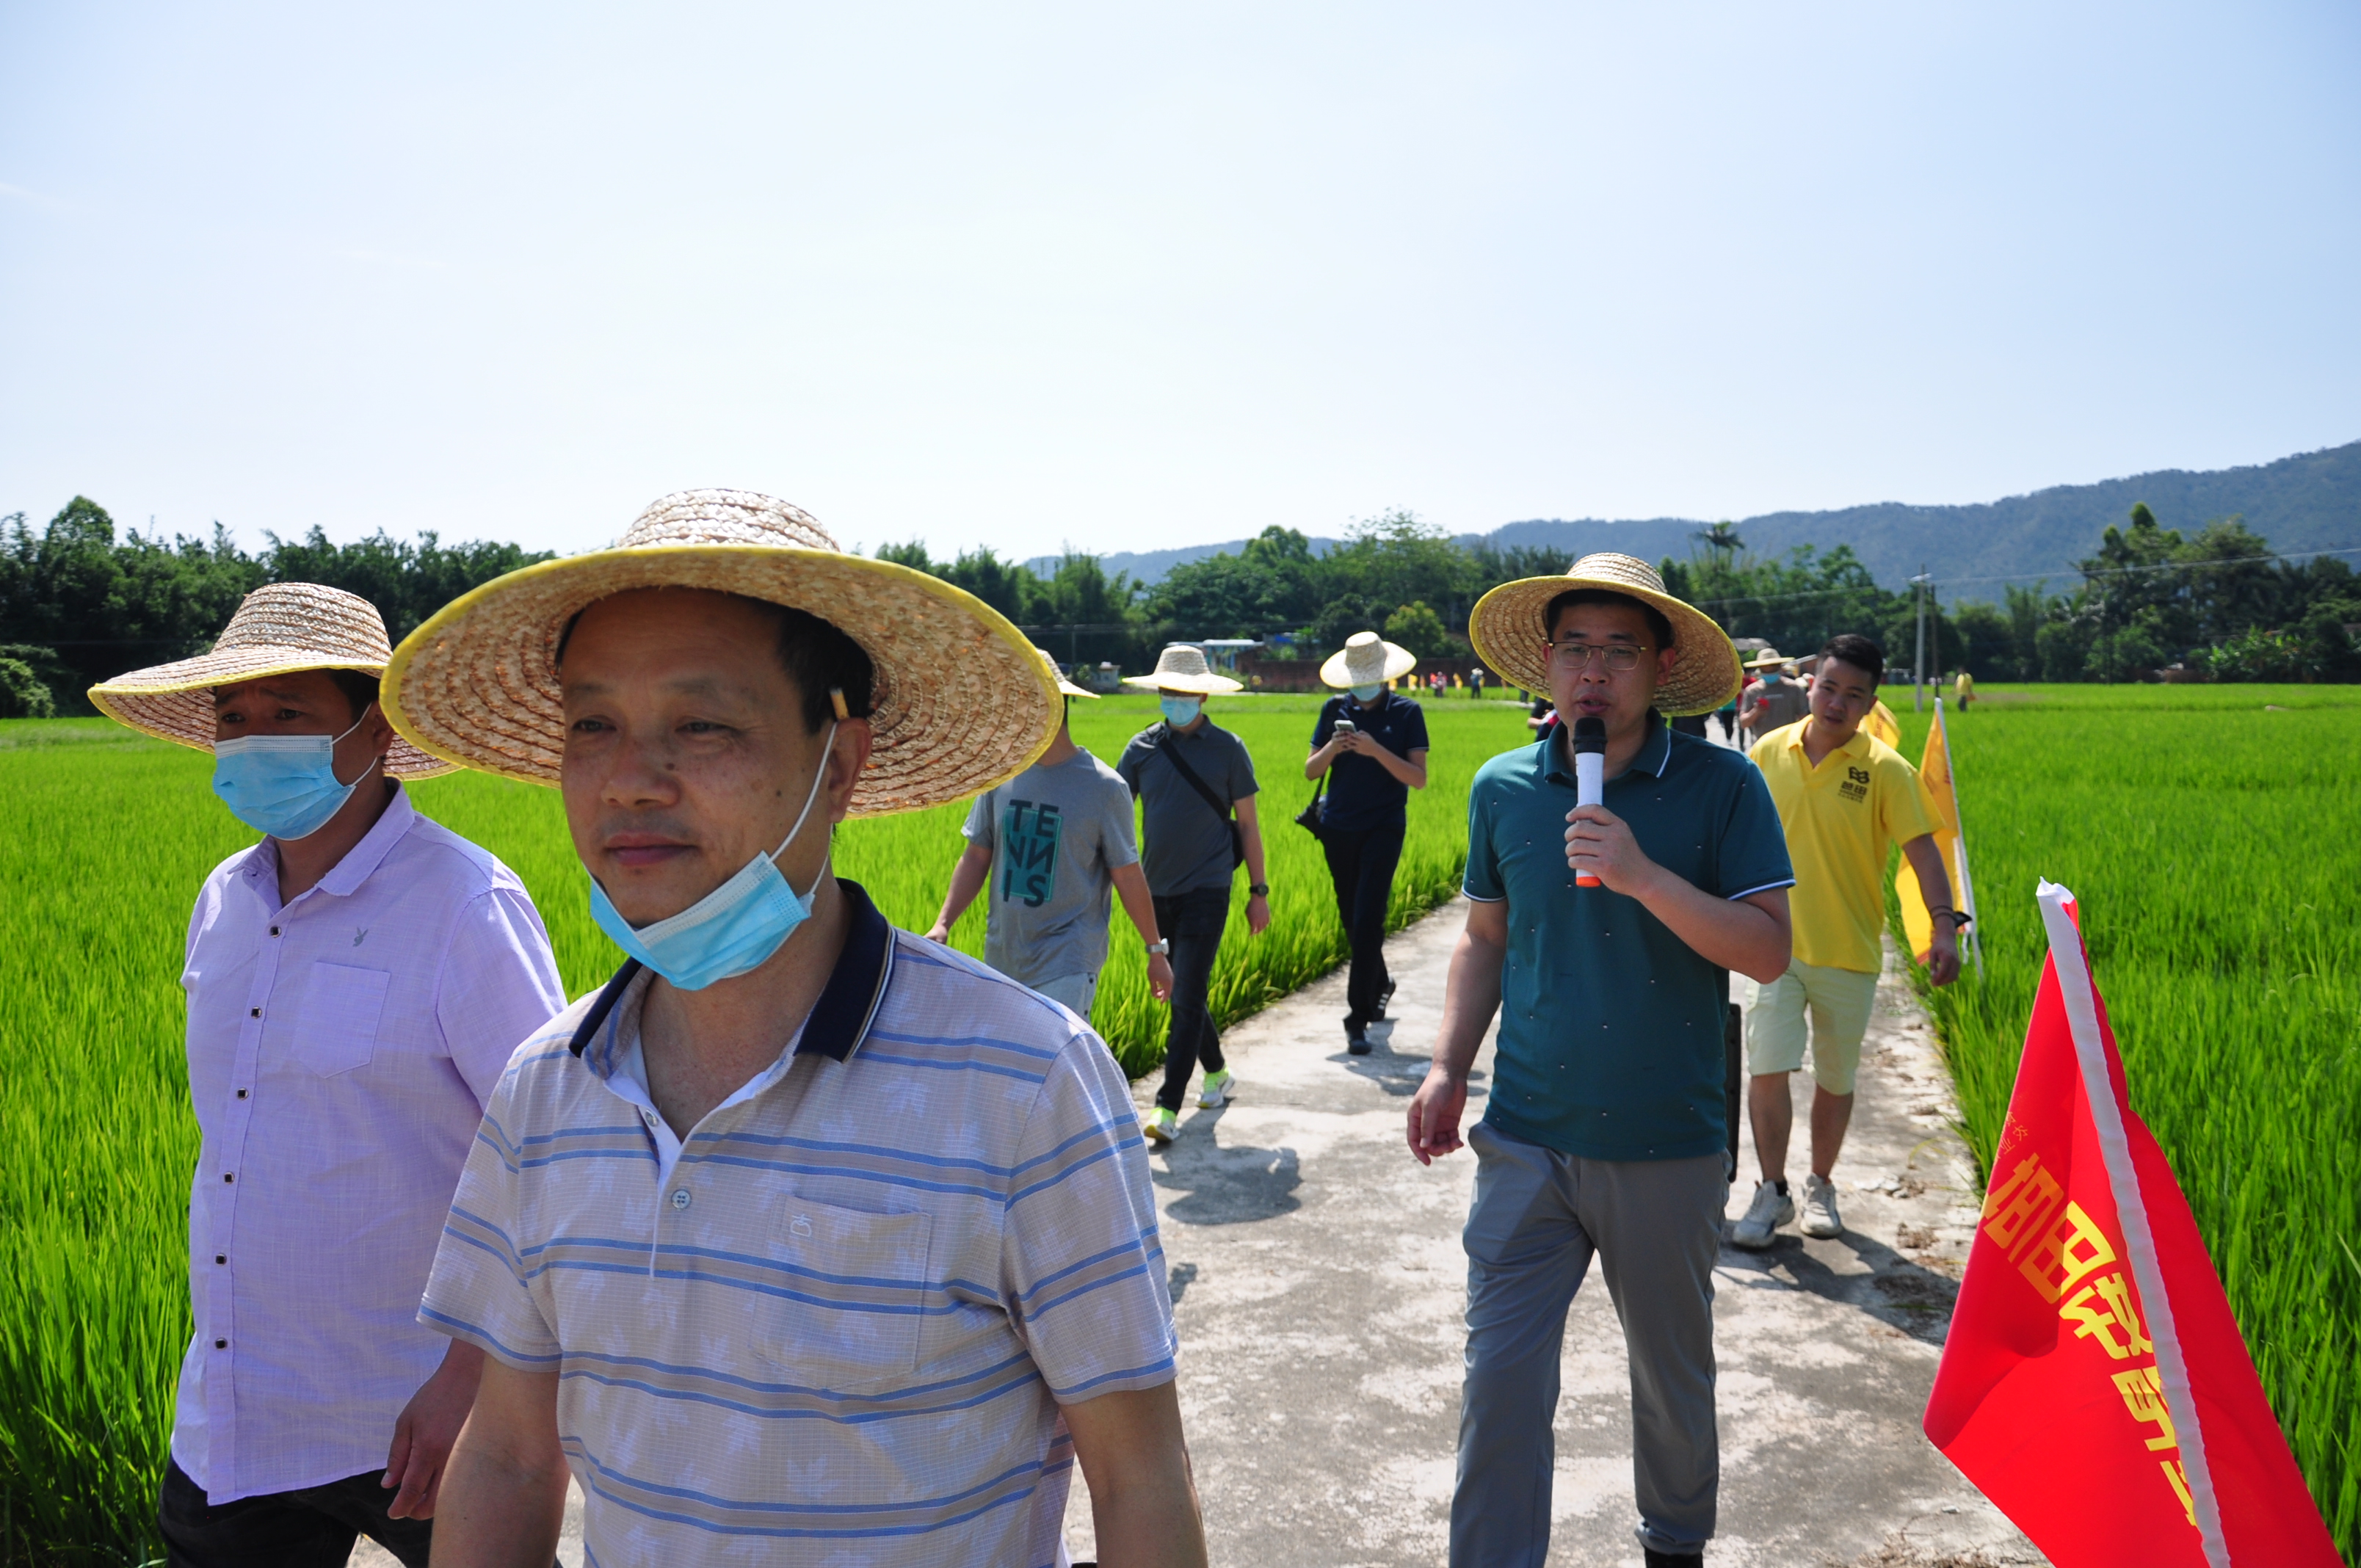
pixel 1237 839
pixel 1309 817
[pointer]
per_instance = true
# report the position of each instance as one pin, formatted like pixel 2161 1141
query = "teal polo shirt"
pixel 1610 1026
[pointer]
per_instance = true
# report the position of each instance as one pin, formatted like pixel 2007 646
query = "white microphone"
pixel 1589 774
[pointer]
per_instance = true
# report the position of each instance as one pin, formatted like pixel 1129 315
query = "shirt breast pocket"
pixel 853 1294
pixel 335 1029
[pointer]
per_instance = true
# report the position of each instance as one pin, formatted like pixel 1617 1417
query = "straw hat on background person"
pixel 279 628
pixel 1506 630
pixel 1181 667
pixel 1065 686
pixel 1366 659
pixel 962 700
pixel 1770 658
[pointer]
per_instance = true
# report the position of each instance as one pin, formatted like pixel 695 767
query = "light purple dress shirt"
pixel 341 1051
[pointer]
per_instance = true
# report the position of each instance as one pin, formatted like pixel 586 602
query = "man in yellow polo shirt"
pixel 1844 797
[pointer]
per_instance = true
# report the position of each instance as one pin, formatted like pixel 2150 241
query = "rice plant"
pixel 2210 833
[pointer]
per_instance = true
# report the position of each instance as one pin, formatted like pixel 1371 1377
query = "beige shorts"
pixel 1838 1001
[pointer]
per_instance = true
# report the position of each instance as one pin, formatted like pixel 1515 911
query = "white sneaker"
pixel 1216 1089
pixel 1770 1210
pixel 1820 1216
pixel 1161 1126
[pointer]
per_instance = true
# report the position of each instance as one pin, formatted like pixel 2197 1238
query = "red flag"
pixel 2093 1385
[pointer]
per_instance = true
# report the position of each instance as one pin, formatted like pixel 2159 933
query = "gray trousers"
pixel 1538 1217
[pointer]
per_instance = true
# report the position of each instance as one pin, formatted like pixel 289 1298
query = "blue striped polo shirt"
pixel 835 1322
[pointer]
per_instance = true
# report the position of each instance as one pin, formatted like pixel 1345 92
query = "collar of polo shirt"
pixel 1654 754
pixel 839 1020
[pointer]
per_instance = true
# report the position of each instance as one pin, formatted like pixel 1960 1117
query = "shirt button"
pixel 221 1345
pixel 241 1094
pixel 255 1012
pixel 274 931
pixel 650 1117
pixel 680 1198
pixel 221 1257
pixel 226 1175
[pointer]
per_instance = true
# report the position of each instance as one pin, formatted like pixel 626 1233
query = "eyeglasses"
pixel 1620 656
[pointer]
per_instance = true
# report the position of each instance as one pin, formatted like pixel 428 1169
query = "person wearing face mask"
pixel 356 983
pixel 804 1237
pixel 1369 746
pixel 1773 700
pixel 1196 789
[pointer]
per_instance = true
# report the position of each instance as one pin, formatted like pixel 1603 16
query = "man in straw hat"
pixel 1370 746
pixel 811 1237
pixel 1604 1132
pixel 356 983
pixel 1062 833
pixel 1772 698
pixel 1196 788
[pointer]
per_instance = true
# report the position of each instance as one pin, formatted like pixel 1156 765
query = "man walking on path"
pixel 1604 1132
pixel 1061 834
pixel 356 983
pixel 804 1237
pixel 1844 799
pixel 1370 745
pixel 1775 699
pixel 1190 774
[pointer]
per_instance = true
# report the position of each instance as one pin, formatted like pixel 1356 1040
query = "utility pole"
pixel 1918 666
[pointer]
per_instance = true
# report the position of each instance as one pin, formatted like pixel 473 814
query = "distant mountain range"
pixel 2311 501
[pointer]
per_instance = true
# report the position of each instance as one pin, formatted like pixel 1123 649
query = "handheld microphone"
pixel 1589 774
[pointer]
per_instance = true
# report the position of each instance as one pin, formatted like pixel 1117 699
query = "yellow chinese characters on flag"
pixel 1943 805
pixel 2093 1383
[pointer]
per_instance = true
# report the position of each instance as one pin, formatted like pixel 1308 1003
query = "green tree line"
pixel 80 602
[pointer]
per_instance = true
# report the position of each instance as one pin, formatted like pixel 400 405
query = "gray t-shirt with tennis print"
pixel 1057 834
pixel 1186 842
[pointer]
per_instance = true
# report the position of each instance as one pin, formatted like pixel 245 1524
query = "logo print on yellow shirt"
pixel 1855 783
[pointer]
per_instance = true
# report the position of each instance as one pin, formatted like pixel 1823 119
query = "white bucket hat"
pixel 279 628
pixel 1366 660
pixel 960 699
pixel 1506 630
pixel 1181 667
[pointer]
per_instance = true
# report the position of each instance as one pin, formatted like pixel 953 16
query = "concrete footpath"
pixel 1318 1283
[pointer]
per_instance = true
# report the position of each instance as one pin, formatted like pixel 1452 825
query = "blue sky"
pixel 1129 276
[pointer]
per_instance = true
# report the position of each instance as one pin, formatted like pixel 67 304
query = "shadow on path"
pixel 1225 1185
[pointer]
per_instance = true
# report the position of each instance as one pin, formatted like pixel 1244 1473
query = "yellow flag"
pixel 1882 727
pixel 1943 803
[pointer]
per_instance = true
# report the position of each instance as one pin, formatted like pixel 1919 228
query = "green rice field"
pixel 2213 837
pixel 2209 832
pixel 104 842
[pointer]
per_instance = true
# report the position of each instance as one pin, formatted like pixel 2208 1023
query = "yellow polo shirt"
pixel 1841 818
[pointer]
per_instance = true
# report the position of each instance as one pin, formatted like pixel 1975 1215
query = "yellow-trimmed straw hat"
pixel 1509 637
pixel 962 700
pixel 279 628
pixel 1065 686
pixel 1366 660
pixel 1181 667
pixel 1769 658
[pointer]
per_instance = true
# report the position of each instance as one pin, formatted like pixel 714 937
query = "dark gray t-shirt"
pixel 1184 843
pixel 1055 834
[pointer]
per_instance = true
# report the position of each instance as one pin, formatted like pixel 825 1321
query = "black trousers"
pixel 314 1527
pixel 1361 863
pixel 1192 923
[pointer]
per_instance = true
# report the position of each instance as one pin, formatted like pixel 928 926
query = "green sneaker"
pixel 1215 1090
pixel 1161 1127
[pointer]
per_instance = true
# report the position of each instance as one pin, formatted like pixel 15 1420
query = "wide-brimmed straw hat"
pixel 1767 658
pixel 1509 633
pixel 1181 667
pixel 1065 686
pixel 1366 659
pixel 279 628
pixel 960 700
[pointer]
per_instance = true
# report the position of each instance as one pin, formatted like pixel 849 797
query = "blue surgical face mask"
pixel 1770 677
pixel 284 785
pixel 1181 711
pixel 735 927
pixel 1369 693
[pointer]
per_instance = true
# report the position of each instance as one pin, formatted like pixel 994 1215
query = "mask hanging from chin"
pixel 734 928
pixel 285 785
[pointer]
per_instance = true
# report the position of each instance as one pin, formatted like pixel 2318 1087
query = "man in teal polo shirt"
pixel 1604 1133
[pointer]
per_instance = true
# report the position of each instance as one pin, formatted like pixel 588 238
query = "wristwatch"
pixel 1960 922
pixel 1258 890
pixel 1161 947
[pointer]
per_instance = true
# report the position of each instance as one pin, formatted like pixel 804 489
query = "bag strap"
pixel 1172 754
